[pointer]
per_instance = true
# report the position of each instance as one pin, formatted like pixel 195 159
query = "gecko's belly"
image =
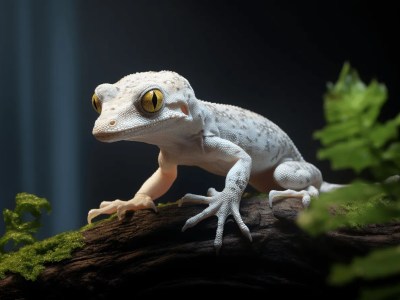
pixel 261 161
pixel 261 176
pixel 220 168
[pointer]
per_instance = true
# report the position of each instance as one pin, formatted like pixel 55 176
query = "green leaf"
pixel 390 292
pixel 381 134
pixel 350 98
pixel 373 99
pixel 337 132
pixel 377 264
pixel 352 154
pixel 353 137
pixel 392 154
pixel 355 205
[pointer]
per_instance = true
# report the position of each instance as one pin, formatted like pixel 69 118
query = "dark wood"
pixel 146 254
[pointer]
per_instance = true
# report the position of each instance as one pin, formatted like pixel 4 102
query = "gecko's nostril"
pixel 112 123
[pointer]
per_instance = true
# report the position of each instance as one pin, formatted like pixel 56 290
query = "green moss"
pixel 29 260
pixel 18 231
pixel 167 204
pixel 93 224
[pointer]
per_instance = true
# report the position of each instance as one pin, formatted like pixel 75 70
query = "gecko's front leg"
pixel 153 188
pixel 225 203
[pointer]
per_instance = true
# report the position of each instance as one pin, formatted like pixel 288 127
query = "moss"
pixel 167 204
pixel 93 224
pixel 29 260
pixel 18 231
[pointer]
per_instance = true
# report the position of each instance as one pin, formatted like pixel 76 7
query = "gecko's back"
pixel 254 133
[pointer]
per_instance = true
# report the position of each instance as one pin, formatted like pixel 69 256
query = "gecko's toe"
pixel 211 192
pixel 218 245
pixel 93 213
pixel 121 211
pixel 306 200
pixel 206 213
pixel 192 198
pixel 153 206
pixel 271 197
pixel 105 203
pixel 243 227
pixel 222 215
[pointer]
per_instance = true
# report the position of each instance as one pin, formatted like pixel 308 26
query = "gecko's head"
pixel 141 106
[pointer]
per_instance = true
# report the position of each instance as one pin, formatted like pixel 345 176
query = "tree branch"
pixel 146 254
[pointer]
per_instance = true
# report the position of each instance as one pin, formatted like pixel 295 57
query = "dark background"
pixel 274 58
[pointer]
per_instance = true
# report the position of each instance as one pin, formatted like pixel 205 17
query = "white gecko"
pixel 160 108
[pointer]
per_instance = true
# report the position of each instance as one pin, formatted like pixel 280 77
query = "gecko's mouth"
pixel 105 136
pixel 132 133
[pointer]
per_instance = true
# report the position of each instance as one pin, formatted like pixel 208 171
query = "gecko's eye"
pixel 152 101
pixel 96 103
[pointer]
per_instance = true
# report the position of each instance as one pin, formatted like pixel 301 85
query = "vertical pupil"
pixel 154 100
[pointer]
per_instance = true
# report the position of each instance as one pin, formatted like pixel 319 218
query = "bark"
pixel 146 254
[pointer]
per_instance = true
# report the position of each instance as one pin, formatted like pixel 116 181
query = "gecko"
pixel 161 109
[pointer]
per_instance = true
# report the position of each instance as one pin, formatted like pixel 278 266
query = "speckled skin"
pixel 222 139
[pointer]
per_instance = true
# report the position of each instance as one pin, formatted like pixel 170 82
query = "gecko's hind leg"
pixel 299 178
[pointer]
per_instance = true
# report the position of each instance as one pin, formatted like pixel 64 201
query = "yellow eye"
pixel 96 103
pixel 152 101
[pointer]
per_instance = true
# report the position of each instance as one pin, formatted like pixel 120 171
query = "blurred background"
pixel 274 58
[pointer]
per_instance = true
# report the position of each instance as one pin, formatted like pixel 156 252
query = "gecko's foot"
pixel 304 195
pixel 140 201
pixel 221 205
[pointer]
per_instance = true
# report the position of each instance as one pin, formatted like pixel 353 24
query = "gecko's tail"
pixel 327 187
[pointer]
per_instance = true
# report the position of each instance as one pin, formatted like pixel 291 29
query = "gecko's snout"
pixel 104 129
pixel 102 135
pixel 96 131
